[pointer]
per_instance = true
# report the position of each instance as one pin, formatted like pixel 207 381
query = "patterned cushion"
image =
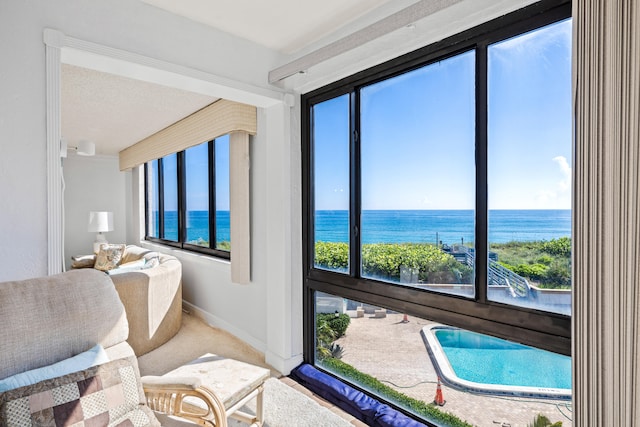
pixel 109 256
pixel 104 395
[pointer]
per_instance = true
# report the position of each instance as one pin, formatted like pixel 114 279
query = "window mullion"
pixel 355 243
pixel 160 199
pixel 182 197
pixel 146 200
pixel 310 255
pixel 213 238
pixel 481 244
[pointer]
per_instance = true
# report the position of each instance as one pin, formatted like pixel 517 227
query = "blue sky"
pixel 418 132
pixel 197 181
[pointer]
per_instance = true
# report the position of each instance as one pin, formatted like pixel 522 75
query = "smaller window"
pixel 223 234
pixel 170 197
pixel 183 190
pixel 197 184
pixel 153 200
pixel 331 184
pixel 529 162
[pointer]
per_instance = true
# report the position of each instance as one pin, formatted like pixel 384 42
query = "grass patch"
pixel 545 263
pixel 419 407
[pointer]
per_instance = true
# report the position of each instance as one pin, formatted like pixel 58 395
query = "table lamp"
pixel 100 222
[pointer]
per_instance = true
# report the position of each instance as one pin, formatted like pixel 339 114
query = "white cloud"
pixel 558 197
pixel 564 184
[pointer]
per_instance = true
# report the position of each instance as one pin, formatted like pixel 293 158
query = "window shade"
pixel 606 322
pixel 239 199
pixel 217 119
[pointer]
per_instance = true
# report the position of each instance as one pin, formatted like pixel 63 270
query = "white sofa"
pixel 150 286
pixel 152 298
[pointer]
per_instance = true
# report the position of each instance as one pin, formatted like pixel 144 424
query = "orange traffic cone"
pixel 405 318
pixel 439 399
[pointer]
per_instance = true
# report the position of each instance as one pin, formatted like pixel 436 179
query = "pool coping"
pixel 448 376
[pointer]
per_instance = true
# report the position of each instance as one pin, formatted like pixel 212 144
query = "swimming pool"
pixel 480 363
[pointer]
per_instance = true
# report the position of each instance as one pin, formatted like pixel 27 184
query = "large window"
pixel 417 176
pixel 529 167
pixel 438 185
pixel 188 198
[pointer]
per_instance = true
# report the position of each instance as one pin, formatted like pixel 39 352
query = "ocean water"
pixel 197 225
pixel 404 226
pixel 446 226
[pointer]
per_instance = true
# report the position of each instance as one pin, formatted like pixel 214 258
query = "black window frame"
pixel 545 330
pixel 182 206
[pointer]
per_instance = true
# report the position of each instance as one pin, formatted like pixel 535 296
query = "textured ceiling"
pixel 115 112
pixel 283 25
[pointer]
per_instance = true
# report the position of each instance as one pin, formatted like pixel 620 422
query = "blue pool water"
pixel 488 360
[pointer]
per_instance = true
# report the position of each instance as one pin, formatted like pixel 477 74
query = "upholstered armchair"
pixel 65 359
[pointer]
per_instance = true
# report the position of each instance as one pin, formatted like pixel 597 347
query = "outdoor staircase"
pixel 497 274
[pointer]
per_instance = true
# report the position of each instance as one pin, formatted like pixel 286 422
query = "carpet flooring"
pixel 283 406
pixel 286 407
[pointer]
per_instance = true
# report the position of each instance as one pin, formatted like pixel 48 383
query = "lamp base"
pixel 100 239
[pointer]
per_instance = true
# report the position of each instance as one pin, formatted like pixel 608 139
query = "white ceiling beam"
pixel 128 64
pixel 400 19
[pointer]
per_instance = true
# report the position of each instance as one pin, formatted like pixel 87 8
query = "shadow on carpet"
pixel 286 407
pixel 283 407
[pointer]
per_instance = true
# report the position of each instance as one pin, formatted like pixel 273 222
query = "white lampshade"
pixel 86 148
pixel 100 222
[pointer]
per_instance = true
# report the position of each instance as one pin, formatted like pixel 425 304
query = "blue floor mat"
pixel 350 400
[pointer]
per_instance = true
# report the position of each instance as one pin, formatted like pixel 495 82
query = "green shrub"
pixel 558 275
pixel 336 351
pixel 560 246
pixel 545 259
pixel 224 246
pixel 331 255
pixel 385 260
pixel 428 411
pixel 547 263
pixel 338 324
pixel 542 421
pixel 325 335
pixel 534 272
pixel 329 328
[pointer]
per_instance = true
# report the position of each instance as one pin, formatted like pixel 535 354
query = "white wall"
pixel 23 221
pixel 93 184
pixel 135 27
pixel 266 313
pixel 124 24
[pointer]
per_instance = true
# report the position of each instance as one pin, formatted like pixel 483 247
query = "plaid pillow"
pixel 104 395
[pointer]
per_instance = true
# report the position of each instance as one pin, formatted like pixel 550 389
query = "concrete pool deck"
pixel 393 351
